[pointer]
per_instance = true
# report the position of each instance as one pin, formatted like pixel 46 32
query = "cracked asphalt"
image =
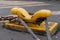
pixel 31 7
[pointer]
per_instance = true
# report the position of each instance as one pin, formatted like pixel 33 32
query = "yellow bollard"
pixel 22 13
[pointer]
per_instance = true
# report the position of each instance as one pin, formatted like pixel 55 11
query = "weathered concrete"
pixel 33 5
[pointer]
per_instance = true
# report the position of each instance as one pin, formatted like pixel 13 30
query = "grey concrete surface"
pixel 32 5
pixel 5 6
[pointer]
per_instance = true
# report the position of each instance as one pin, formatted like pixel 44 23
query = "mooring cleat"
pixel 22 13
pixel 36 20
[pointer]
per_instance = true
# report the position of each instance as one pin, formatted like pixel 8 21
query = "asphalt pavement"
pixel 31 7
